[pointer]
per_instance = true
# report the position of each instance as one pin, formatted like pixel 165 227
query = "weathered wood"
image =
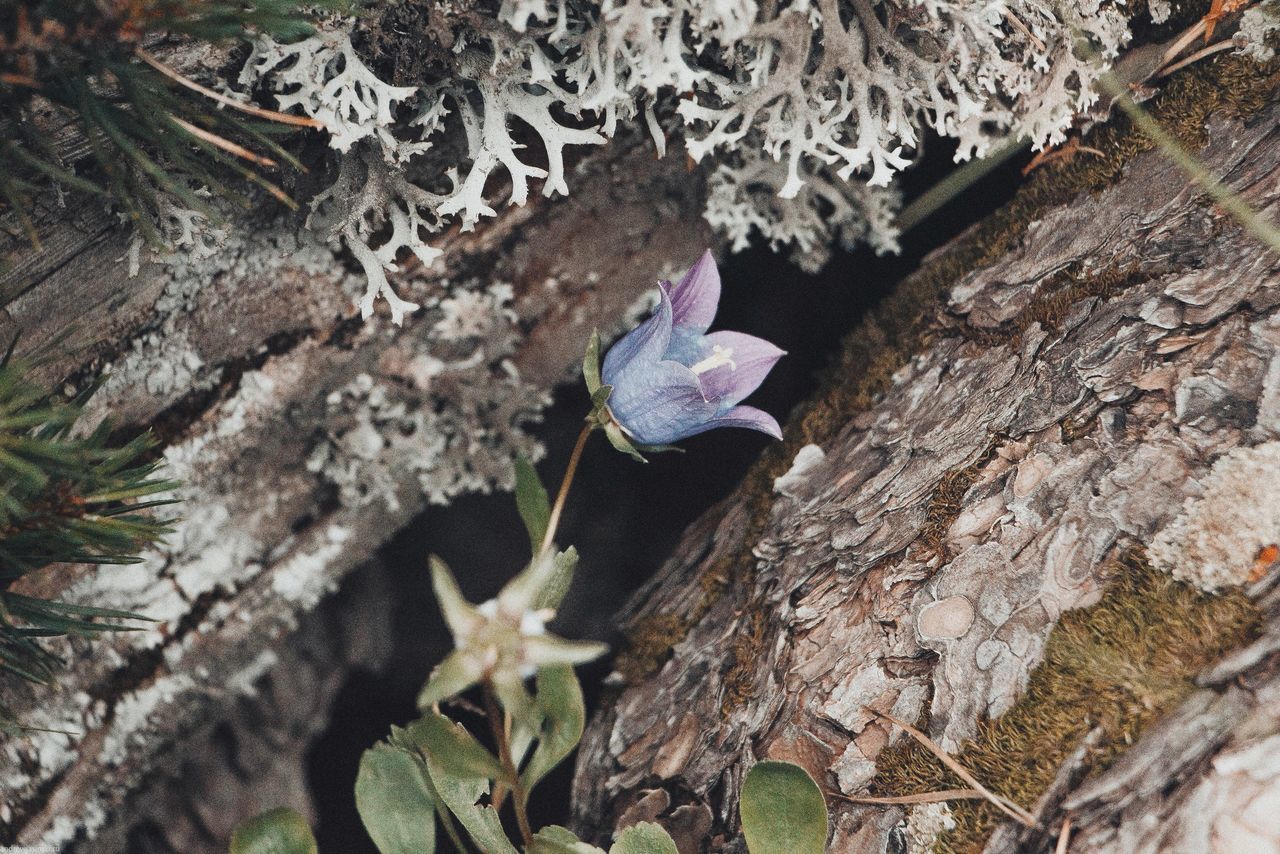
pixel 1055 410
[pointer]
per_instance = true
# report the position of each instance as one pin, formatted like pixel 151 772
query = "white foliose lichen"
pixel 451 412
pixel 925 825
pixel 1216 539
pixel 811 107
pixel 1257 25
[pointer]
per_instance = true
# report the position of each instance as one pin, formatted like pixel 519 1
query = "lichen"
pixel 450 411
pixel 1214 540
pixel 810 108
pixel 1115 666
pixel 925 826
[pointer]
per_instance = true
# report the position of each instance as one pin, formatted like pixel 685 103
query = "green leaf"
pixel 559 698
pixel 532 502
pixel 459 769
pixel 644 838
pixel 453 749
pixel 783 811
pixel 621 443
pixel 280 831
pixel 395 802
pixel 460 796
pixel 554 839
pixel 591 363
pixel 557 585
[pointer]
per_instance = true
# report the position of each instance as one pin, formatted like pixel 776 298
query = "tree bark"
pixel 247 365
pixel 984 462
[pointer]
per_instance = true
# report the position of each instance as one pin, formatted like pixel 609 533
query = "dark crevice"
pixel 623 517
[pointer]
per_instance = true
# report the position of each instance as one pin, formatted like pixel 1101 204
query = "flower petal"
pixel 459 614
pixel 643 345
pixel 748 361
pixel 660 403
pixel 549 650
pixel 750 418
pixel 458 672
pixel 695 300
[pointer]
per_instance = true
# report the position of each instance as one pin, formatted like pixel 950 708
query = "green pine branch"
pixel 147 136
pixel 64 498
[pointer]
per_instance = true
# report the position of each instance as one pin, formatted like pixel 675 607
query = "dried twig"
pixel 225 144
pixel 251 109
pixel 1007 807
pixel 1064 837
pixel 1225 44
pixel 919 798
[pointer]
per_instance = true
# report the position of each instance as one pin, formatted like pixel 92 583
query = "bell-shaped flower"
pixel 669 378
pixel 503 641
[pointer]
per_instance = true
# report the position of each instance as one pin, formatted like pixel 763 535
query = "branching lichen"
pixel 810 107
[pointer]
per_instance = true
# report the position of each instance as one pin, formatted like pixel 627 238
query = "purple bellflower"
pixel 669 379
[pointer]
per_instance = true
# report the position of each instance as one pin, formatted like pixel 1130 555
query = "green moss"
pixel 902 324
pixel 1115 666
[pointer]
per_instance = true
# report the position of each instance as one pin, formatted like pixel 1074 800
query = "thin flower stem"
pixel 502 737
pixel 554 521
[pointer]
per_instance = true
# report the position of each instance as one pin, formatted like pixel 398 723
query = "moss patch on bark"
pixel 1114 666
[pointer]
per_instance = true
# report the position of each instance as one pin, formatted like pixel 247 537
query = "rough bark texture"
pixel 248 365
pixel 1056 407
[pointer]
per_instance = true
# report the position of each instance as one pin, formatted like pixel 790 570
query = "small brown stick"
pixel 1064 837
pixel 1010 809
pixel 225 144
pixel 1225 44
pixel 251 109
pixel 1025 30
pixel 10 79
pixel 920 798
pixel 1193 32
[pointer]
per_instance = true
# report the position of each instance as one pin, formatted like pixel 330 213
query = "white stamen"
pixel 719 356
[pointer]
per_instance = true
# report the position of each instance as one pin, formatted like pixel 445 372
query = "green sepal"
pixel 782 810
pixel 280 831
pixel 591 363
pixel 557 585
pixel 599 398
pixel 395 801
pixel 621 443
pixel 659 449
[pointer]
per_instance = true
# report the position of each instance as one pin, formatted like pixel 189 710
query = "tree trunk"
pixel 304 439
pixel 973 526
